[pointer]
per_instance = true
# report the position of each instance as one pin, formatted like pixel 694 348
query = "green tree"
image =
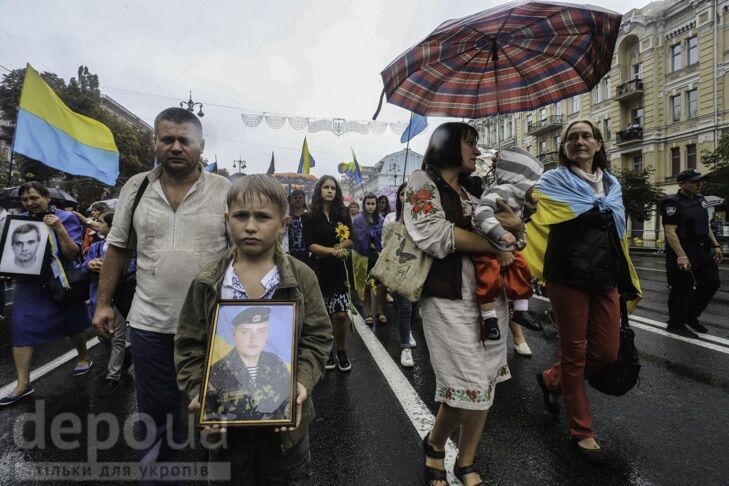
pixel 717 161
pixel 83 96
pixel 640 196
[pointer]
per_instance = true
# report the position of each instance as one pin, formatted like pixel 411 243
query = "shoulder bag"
pixel 402 266
pixel 619 377
pixel 127 285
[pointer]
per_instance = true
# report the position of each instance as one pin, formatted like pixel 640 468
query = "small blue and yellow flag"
pixel 48 131
pixel 306 162
pixel 351 169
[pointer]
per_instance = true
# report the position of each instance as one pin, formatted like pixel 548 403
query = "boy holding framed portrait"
pixel 251 343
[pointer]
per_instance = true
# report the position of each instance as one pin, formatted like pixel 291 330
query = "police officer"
pixel 692 254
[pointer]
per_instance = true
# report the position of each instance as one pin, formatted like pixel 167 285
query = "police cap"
pixel 252 315
pixel 692 175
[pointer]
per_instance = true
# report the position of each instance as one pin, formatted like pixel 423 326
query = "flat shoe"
pixel 596 456
pixel 552 407
pixel 10 399
pixel 523 349
pixel 82 369
pixel 432 474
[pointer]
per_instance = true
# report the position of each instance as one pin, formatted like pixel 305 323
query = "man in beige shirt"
pixel 179 226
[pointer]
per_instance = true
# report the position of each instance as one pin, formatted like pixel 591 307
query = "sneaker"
pixel 343 362
pixel 331 362
pixel 406 358
pixel 527 319
pixel 109 387
pixel 413 343
pixel 10 399
pixel 490 329
pixel 682 330
pixel 697 326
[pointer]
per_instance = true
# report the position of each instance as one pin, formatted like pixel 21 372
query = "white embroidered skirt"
pixel 466 372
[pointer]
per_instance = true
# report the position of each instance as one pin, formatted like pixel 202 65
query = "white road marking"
pixel 708 341
pixel 414 407
pixel 48 367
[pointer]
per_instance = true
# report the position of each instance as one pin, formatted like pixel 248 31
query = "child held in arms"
pixel 516 173
pixel 257 268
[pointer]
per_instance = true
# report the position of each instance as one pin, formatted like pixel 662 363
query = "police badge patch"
pixel 670 210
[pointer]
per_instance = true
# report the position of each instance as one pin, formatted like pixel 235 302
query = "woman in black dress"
pixel 297 209
pixel 327 217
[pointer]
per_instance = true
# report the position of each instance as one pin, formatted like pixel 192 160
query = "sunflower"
pixel 342 232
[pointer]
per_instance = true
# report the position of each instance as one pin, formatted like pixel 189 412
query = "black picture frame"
pixel 238 391
pixel 15 265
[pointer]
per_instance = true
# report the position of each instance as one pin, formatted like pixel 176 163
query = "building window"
pixel 638 71
pixel 574 104
pixel 542 147
pixel 676 107
pixel 675 161
pixel 606 87
pixel 543 114
pixel 691 156
pixel 508 129
pixel 638 162
pixel 692 101
pixel 558 108
pixel 636 115
pixel 693 50
pixel 529 120
pixel 676 57
pixel 606 135
pixel 597 94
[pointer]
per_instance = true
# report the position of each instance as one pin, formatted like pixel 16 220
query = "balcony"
pixel 548 157
pixel 630 90
pixel 630 135
pixel 547 125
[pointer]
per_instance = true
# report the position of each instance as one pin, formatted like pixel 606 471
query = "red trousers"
pixel 517 278
pixel 589 337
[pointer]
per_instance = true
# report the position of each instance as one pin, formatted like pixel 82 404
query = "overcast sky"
pixel 310 58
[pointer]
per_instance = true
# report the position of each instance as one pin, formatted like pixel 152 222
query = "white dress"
pixel 466 370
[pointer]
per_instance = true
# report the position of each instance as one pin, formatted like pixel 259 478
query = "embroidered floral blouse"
pixel 425 219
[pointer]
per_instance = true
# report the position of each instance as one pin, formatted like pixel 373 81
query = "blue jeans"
pixel 155 381
pixel 405 312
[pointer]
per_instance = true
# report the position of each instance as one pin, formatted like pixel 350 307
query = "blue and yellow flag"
pixel 306 162
pixel 351 169
pixel 48 131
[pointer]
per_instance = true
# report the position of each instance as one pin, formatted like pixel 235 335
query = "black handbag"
pixel 77 292
pixel 619 377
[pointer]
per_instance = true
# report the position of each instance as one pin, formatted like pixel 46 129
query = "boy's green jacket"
pixel 299 283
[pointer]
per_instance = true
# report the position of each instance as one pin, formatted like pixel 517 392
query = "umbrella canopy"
pixel 515 57
pixel 9 198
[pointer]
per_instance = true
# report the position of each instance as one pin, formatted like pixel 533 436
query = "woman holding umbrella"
pixel 37 319
pixel 439 203
pixel 586 269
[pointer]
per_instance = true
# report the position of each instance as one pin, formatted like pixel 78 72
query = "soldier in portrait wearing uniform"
pixel 250 383
pixel 692 255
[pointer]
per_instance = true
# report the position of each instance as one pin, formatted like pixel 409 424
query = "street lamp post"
pixel 240 164
pixel 190 105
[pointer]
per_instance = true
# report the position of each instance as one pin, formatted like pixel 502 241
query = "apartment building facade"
pixel 664 101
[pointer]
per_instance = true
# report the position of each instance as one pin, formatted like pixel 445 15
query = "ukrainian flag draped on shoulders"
pixel 563 196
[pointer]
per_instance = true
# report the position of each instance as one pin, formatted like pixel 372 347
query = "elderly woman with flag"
pixel 576 244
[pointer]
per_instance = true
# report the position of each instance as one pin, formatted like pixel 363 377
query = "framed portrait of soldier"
pixel 24 246
pixel 250 366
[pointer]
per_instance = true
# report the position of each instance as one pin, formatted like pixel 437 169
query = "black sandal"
pixel 432 474
pixel 461 471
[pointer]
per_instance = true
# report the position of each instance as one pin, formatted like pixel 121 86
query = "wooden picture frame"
pixel 25 246
pixel 249 377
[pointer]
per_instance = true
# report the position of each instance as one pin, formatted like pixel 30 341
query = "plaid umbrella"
pixel 515 57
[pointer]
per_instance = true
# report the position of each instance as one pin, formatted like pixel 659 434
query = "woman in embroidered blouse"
pixel 439 202
pixel 583 268
pixel 328 254
pixel 367 228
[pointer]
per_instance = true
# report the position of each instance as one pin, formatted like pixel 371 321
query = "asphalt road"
pixel 671 429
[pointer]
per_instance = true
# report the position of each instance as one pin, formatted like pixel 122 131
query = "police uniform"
pixel 688 298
